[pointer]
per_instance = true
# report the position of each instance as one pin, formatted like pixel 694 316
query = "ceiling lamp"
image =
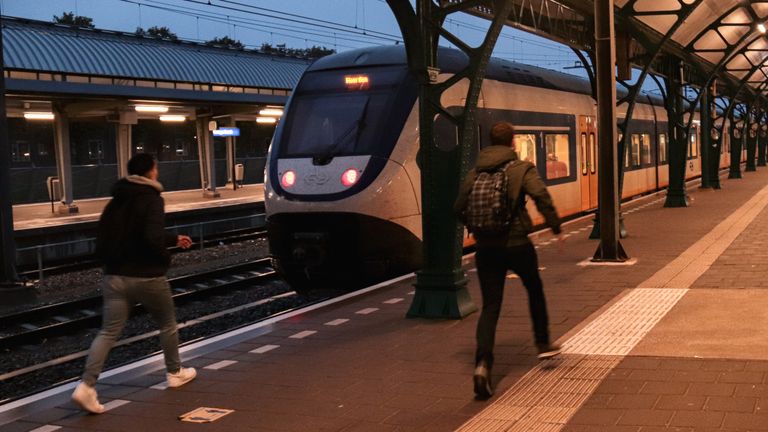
pixel 151 108
pixel 761 28
pixel 271 112
pixel 266 120
pixel 30 115
pixel 173 118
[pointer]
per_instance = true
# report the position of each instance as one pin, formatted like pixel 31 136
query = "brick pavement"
pixel 381 372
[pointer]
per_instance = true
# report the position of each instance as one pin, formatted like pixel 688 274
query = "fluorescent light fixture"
pixel 271 112
pixel 761 28
pixel 266 120
pixel 29 115
pixel 151 108
pixel 173 118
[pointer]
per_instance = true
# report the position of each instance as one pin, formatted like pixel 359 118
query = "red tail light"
pixel 349 177
pixel 288 179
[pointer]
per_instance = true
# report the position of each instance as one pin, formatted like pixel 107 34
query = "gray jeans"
pixel 120 294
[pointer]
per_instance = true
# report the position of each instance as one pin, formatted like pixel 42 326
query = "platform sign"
pixel 205 415
pixel 227 132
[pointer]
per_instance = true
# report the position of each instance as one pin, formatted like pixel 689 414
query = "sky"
pixel 337 24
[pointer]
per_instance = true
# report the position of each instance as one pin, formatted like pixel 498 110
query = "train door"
pixel 588 158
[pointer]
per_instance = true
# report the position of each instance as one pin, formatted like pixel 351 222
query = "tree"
pixel 70 18
pixel 311 53
pixel 225 41
pixel 157 32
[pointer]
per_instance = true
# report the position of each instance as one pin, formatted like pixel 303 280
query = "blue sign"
pixel 226 132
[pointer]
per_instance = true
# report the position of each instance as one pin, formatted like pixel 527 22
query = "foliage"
pixel 157 32
pixel 312 53
pixel 70 18
pixel 225 41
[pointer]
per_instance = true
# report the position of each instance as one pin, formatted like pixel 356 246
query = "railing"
pixel 199 227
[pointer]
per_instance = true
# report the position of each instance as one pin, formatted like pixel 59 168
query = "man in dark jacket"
pixel 497 254
pixel 132 244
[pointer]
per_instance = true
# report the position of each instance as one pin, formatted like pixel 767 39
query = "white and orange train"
pixel 342 183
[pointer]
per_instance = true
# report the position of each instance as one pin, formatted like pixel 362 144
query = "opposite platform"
pixel 31 216
pixel 671 343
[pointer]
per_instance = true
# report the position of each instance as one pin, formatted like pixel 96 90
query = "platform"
pixel 32 216
pixel 676 342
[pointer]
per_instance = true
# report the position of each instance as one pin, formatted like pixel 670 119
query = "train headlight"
pixel 288 179
pixel 349 177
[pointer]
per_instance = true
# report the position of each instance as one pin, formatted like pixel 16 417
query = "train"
pixel 342 182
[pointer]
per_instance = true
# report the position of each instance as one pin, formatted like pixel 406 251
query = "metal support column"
pixel 210 163
pixel 610 248
pixel 201 128
pixel 8 277
pixel 715 134
pixel 678 138
pixel 751 137
pixel 737 140
pixel 124 137
pixel 762 139
pixel 230 142
pixel 64 161
pixel 441 284
pixel 707 152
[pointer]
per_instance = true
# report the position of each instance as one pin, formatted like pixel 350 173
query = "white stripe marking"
pixel 220 365
pixel 114 404
pixel 336 322
pixel 366 311
pixel 302 334
pixel 160 386
pixel 411 292
pixel 393 300
pixel 264 349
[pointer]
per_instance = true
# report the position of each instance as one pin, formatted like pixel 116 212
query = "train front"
pixel 342 187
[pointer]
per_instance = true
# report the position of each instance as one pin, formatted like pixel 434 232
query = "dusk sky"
pixel 339 24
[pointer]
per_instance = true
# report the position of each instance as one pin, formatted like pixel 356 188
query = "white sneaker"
pixel 85 396
pixel 183 376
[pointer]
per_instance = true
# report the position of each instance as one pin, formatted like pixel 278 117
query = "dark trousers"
pixel 492 265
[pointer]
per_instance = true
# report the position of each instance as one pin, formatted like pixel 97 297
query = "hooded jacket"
pixel 522 180
pixel 131 238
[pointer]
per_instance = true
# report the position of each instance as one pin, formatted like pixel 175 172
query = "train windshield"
pixel 342 113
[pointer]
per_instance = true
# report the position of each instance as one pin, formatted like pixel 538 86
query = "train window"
pixel 645 149
pixel 662 148
pixel 693 148
pixel 592 153
pixel 635 151
pixel 583 147
pixel 20 151
pixel 525 144
pixel 95 149
pixel 626 151
pixel 558 155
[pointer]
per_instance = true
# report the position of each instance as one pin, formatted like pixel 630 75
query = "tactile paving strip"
pixel 623 325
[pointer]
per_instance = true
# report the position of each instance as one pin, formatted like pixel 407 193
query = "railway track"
pixel 88 262
pixel 35 325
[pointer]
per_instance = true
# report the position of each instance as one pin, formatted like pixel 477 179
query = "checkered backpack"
pixel 488 211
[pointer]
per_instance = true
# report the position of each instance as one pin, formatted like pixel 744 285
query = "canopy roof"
pixel 722 38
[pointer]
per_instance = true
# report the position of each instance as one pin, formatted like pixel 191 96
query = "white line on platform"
pixel 366 311
pixel 160 386
pixel 46 428
pixel 393 300
pixel 114 404
pixel 302 334
pixel 264 349
pixel 336 322
pixel 220 365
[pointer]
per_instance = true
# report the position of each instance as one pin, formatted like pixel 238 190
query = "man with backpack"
pixel 491 203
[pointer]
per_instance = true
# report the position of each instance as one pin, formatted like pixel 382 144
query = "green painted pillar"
pixel 706 150
pixel 737 139
pixel 762 141
pixel 751 137
pixel 678 139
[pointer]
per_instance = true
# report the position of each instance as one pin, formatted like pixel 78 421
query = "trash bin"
pixel 239 173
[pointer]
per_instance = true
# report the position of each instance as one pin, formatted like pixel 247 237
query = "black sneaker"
pixel 482 380
pixel 547 351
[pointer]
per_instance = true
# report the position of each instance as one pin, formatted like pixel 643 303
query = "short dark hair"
pixel 140 164
pixel 502 133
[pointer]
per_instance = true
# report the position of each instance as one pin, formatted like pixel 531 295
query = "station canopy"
pixel 724 38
